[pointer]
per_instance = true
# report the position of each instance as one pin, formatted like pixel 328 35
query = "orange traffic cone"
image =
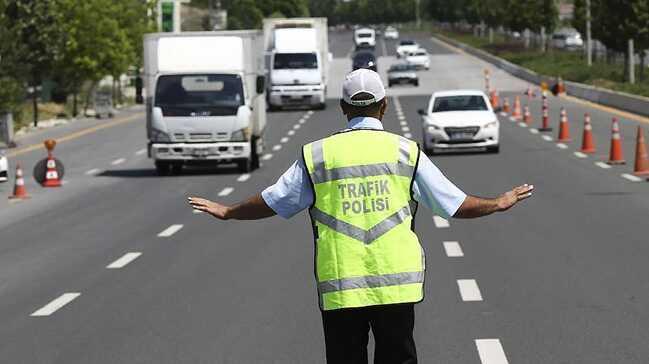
pixel 641 167
pixel 517 108
pixel 527 115
pixel 52 175
pixel 564 127
pixel 545 125
pixel 20 193
pixel 495 101
pixel 616 155
pixel 506 108
pixel 587 143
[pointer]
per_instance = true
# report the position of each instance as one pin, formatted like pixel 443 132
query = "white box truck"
pixel 298 62
pixel 205 98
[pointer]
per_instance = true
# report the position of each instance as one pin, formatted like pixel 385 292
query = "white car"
pixel 419 59
pixel 391 33
pixel 4 166
pixel 567 40
pixel 460 120
pixel 365 38
pixel 406 47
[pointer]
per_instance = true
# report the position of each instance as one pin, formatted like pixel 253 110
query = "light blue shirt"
pixel 293 192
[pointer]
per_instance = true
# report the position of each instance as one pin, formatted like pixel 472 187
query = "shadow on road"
pixel 151 172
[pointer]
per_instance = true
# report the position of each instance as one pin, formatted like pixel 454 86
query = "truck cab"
pixel 365 38
pixel 204 110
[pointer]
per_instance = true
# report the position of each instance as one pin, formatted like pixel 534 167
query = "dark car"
pixel 364 60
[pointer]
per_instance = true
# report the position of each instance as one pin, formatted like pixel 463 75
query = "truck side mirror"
pixel 139 99
pixel 421 112
pixel 261 84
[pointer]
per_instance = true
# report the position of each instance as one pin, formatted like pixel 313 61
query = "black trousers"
pixel 347 333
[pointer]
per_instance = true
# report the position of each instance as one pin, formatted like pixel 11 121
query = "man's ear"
pixel 384 107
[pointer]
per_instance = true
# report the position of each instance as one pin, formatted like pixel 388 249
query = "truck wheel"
pixel 495 149
pixel 245 165
pixel 162 168
pixel 322 106
pixel 254 154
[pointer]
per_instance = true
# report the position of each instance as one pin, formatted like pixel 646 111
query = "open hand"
pixel 213 208
pixel 511 198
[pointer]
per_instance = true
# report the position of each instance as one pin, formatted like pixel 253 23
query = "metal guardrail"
pixel 619 100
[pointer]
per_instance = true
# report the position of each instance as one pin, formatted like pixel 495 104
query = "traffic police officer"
pixel 361 186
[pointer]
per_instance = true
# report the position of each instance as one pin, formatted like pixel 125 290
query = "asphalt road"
pixel 559 279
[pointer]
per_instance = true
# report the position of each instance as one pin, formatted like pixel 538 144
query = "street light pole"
pixel 417 6
pixel 589 41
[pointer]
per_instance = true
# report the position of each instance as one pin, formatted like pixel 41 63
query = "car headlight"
pixel 158 136
pixel 242 135
pixel 490 125
pixel 433 128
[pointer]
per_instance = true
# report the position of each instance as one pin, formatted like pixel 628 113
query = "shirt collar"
pixel 363 122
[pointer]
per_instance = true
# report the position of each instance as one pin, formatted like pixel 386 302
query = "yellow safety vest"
pixel 367 252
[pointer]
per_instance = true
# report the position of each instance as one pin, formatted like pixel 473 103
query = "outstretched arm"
pixel 254 208
pixel 473 207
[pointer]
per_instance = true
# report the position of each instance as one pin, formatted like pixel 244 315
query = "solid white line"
pixel 243 177
pixel 405 129
pixel 522 125
pixel 170 231
pixel 277 147
pixel 226 191
pixel 407 135
pixel 267 157
pixel 631 177
pixel 547 138
pixel 124 260
pixel 118 161
pixel 491 351
pixel 141 151
pixel 580 155
pixel 56 304
pixel 291 132
pixel 453 249
pixel 469 290
pixel 284 140
pixel 93 172
pixel 534 131
pixel 603 165
pixel 562 146
pixel 440 222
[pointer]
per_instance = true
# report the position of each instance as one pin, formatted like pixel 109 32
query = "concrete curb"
pixel 619 100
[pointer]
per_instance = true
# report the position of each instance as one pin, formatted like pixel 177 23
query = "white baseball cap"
pixel 363 81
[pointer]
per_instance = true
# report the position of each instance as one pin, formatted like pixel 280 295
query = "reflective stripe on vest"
pixel 366 251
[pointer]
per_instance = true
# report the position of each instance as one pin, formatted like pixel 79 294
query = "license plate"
pixel 201 153
pixel 461 136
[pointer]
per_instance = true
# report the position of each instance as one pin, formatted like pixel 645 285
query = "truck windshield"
pixel 459 103
pixel 365 35
pixel 295 61
pixel 199 95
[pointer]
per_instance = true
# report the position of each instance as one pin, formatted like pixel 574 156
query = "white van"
pixel 365 38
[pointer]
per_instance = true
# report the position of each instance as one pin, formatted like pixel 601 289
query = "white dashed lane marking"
pixel 93 172
pixel 534 131
pixel 562 146
pixel 226 191
pixel 403 123
pixel 243 177
pixel 266 157
pixel 407 135
pixel 56 304
pixel 453 249
pixel 469 290
pixel 291 132
pixel 547 138
pixel 118 161
pixel 297 126
pixel 302 121
pixel 124 260
pixel 277 147
pixel 141 151
pixel 580 155
pixel 440 222
pixel 491 351
pixel 284 140
pixel 170 231
pixel 405 129
pixel 631 177
pixel 522 125
pixel 603 165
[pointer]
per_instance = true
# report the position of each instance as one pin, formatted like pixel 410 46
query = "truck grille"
pixel 200 136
